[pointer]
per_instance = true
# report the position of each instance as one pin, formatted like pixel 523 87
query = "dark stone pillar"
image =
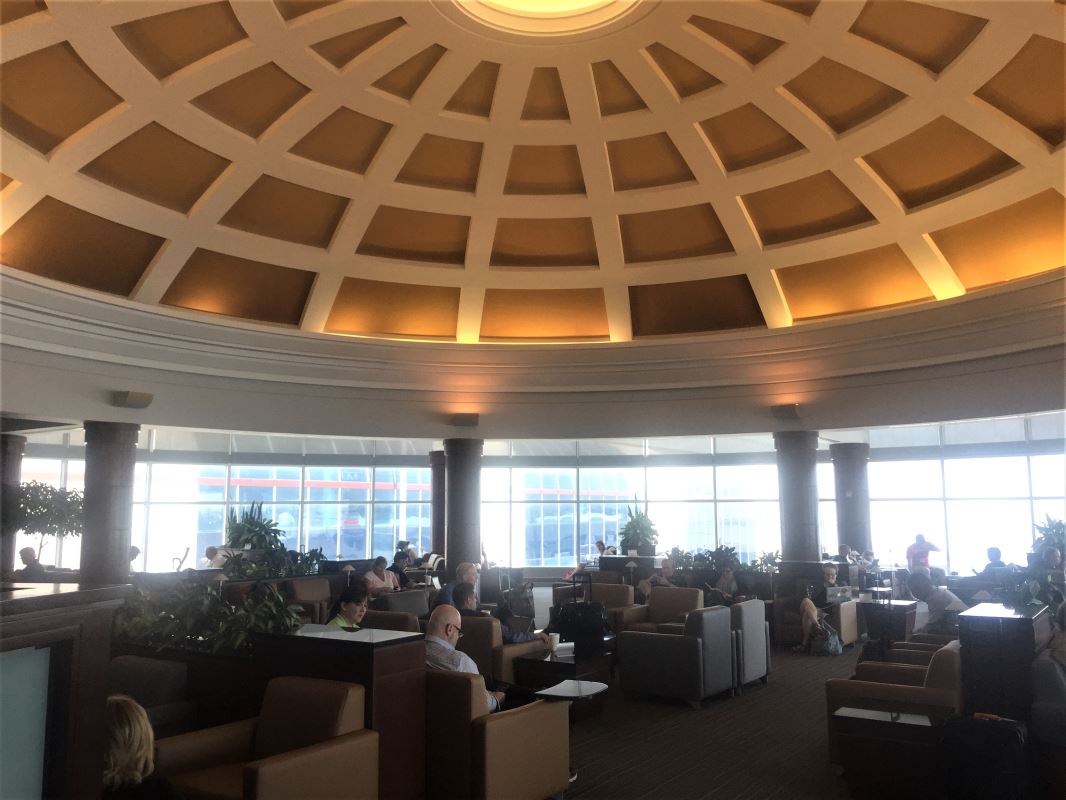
pixel 110 455
pixel 11 449
pixel 797 453
pixel 853 494
pixel 463 503
pixel 438 503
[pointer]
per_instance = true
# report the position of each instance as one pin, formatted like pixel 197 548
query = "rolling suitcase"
pixel 580 622
pixel 982 758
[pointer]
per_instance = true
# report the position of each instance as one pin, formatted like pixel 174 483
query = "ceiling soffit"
pixel 378 169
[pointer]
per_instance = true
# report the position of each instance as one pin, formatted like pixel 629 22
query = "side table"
pixel 870 740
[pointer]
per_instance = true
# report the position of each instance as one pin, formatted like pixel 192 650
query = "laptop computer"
pixel 838 594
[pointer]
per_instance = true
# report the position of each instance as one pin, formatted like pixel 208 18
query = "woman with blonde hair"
pixel 130 759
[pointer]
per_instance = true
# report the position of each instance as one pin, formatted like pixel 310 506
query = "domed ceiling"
pixel 469 171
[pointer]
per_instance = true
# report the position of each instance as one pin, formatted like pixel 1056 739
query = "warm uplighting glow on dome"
pixel 546 17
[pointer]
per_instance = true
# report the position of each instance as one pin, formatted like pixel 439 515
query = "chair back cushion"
pixel 749 623
pixel 712 626
pixel 945 670
pixel 410 602
pixel 310 590
pixel 149 681
pixel 298 712
pixel 605 576
pixel 390 621
pixel 481 636
pixel 453 701
pixel 668 603
pixel 612 595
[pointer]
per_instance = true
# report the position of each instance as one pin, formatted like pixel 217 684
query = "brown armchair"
pixel 611 595
pixel 313 595
pixel 483 642
pixel 521 754
pixel 934 689
pixel 844 617
pixel 666 604
pixel 308 741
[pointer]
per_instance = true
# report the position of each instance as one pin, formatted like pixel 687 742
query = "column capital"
pixel 795 440
pixel 122 433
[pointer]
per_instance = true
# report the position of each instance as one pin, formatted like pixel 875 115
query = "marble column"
pixel 438 481
pixel 11 449
pixel 110 455
pixel 463 502
pixel 853 494
pixel 797 453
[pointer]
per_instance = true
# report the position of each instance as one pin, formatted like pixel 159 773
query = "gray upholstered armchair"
pixel 692 666
pixel 751 634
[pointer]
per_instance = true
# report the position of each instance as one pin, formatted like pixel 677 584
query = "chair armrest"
pixel 886 672
pixel 346 766
pixel 904 655
pixel 503 657
pixel 672 628
pixel 210 747
pixel 524 752
pixel 865 694
pixel 912 645
pixel 621 617
pixel 939 639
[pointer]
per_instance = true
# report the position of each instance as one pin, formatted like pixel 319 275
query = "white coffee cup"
pixel 553 640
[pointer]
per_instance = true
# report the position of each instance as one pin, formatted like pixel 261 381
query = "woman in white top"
pixel 380 579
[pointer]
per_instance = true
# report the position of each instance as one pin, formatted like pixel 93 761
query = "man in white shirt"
pixel 379 579
pixel 943 605
pixel 442 634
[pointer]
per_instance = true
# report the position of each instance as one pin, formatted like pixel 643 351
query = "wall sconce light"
pixel 786 412
pixel 128 399
pixel 463 420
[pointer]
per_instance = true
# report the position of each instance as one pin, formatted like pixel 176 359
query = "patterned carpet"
pixel 769 742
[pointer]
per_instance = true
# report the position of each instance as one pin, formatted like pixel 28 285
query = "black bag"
pixel 580 622
pixel 825 641
pixel 519 600
pixel 982 758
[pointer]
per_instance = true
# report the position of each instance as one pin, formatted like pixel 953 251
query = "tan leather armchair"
pixel 313 595
pixel 521 754
pixel 934 689
pixel 844 617
pixel 308 741
pixel 610 595
pixel 483 641
pixel 666 604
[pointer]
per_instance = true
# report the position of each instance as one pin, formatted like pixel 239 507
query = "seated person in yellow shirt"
pixel 350 608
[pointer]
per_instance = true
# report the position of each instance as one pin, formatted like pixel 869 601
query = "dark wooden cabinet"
pixel 998 646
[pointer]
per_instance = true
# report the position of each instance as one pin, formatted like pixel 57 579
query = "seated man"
pixel 398 568
pixel 379 580
pixel 844 555
pixel 995 561
pixel 665 577
pixel 442 634
pixel 32 569
pixel 943 605
pixel 464 573
pixel 466 601
pixel 606 550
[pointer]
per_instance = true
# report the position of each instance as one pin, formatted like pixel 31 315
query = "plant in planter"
pixel 252 530
pixel 638 533
pixel 722 557
pixel 42 510
pixel 682 559
pixel 263 553
pixel 1052 533
pixel 767 562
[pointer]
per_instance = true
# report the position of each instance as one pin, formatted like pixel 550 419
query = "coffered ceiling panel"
pixel 410 169
pixel 91 251
pixel 49 94
pixel 159 166
pixel 544 314
pixel 859 282
pixel 372 308
pixel 168 42
pixel 237 287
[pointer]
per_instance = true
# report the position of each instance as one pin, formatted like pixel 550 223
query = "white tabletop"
pixel 572 690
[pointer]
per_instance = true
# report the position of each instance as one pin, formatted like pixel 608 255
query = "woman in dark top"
pixel 130 759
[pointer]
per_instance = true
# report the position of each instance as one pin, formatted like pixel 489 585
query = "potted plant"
pixel 638 533
pixel 42 510
pixel 1052 533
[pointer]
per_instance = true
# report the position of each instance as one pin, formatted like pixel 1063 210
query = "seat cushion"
pixel 217 783
pixel 643 627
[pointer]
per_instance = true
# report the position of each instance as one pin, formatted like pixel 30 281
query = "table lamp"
pixel 219 578
pixel 349 569
pixel 632 565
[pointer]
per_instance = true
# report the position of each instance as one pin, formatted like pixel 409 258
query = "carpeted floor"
pixel 769 742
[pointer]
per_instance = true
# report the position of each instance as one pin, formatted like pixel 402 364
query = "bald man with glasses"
pixel 443 632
